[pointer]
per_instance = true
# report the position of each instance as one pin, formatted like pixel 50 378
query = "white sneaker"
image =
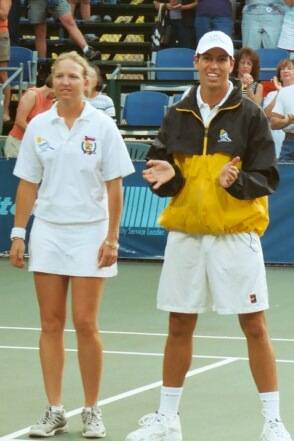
pixel 50 424
pixel 275 431
pixel 93 424
pixel 157 427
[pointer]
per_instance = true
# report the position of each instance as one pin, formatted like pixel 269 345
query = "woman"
pixel 35 100
pixel 282 116
pixel 71 163
pixel 284 78
pixel 94 95
pixel 246 69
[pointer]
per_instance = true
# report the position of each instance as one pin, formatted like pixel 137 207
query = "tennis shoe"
pixel 275 431
pixel 93 426
pixel 157 427
pixel 49 424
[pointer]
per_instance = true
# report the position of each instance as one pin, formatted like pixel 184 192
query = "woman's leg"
pixel 86 297
pixel 51 293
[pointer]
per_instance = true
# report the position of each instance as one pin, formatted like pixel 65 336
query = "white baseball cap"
pixel 214 39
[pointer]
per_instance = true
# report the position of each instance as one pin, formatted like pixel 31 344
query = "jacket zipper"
pixel 205 139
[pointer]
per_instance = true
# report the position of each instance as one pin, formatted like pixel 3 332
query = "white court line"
pixel 130 393
pixel 147 354
pixel 149 334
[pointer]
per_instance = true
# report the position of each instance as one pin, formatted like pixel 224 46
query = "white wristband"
pixel 18 232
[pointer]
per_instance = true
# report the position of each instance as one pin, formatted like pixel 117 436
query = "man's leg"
pixel 260 351
pixel 40 42
pixel 263 367
pixel 178 348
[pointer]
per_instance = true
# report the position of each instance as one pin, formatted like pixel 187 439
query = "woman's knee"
pixel 85 327
pixel 52 326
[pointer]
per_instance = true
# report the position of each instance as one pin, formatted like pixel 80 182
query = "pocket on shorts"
pixel 252 241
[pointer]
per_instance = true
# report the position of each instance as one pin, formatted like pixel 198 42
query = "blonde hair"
pixel 76 58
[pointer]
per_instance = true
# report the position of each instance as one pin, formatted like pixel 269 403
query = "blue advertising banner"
pixel 142 238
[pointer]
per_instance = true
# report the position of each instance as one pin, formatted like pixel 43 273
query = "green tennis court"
pixel 219 402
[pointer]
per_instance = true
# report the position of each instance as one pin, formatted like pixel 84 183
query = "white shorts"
pixel 70 250
pixel 223 273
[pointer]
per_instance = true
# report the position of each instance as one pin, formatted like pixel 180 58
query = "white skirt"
pixel 70 250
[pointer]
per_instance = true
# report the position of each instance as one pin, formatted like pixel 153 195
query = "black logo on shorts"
pixel 252 298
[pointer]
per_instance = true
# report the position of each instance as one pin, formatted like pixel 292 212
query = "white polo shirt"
pixel 285 105
pixel 72 165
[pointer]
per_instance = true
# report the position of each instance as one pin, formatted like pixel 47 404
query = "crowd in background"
pixel 264 24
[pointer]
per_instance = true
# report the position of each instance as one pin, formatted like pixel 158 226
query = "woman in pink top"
pixel 36 100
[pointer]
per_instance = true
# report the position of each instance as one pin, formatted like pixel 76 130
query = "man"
pixel 5 6
pixel 37 12
pixel 215 156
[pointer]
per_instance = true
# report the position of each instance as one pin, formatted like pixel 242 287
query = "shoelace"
pixel 49 417
pixel 93 417
pixel 149 419
pixel 277 427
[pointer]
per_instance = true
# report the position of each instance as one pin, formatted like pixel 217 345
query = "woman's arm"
pixel 109 250
pixel 25 199
pixel 280 121
pixel 26 104
pixel 257 95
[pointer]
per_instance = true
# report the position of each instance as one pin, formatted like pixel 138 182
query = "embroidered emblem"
pixel 89 145
pixel 42 145
pixel 252 298
pixel 223 136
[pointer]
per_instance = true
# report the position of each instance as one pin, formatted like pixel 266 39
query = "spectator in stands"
pixel 261 23
pixel 216 15
pixel 284 78
pixel 286 40
pixel 283 113
pixel 71 163
pixel 34 101
pixel 85 8
pixel 5 54
pixel 37 13
pixel 181 16
pixel 246 69
pixel 13 22
pixel 94 93
pixel 214 155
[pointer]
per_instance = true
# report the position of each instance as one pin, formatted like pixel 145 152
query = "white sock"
pixel 270 405
pixel 85 49
pixel 58 408
pixel 170 400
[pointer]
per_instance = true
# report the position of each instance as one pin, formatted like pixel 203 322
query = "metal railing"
pixel 17 73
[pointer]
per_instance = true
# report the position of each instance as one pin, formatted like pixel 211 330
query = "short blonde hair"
pixel 76 58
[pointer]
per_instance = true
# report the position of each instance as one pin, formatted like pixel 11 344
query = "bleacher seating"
pixel 137 150
pixel 173 57
pixel 29 59
pixel 269 59
pixel 144 108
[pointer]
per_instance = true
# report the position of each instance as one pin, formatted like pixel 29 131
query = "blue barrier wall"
pixel 141 237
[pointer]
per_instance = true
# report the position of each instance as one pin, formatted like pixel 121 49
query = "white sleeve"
pixel 269 98
pixel 279 106
pixel 28 165
pixel 109 107
pixel 116 161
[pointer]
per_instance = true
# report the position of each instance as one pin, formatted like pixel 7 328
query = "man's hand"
pixel 229 173
pixel 16 254
pixel 158 173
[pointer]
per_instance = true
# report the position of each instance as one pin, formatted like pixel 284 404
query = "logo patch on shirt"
pixel 89 145
pixel 224 136
pixel 252 298
pixel 42 145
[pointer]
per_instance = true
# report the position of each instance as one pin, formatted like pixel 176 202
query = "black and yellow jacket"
pixel 199 205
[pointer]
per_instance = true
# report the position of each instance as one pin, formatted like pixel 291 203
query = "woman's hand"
pixel 108 254
pixel 158 172
pixel 247 79
pixel 16 254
